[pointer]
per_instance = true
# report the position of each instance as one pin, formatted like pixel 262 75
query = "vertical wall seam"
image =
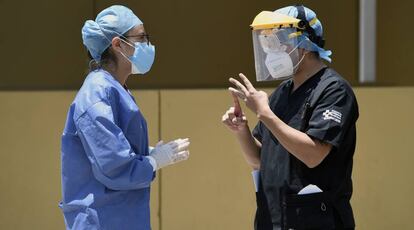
pixel 159 171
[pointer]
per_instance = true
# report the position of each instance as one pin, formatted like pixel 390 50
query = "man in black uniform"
pixel 306 132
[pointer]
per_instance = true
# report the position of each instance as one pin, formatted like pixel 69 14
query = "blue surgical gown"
pixel 105 175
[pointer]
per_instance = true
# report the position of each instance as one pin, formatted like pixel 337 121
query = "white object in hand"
pixel 309 190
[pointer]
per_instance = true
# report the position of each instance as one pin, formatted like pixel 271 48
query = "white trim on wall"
pixel 367 40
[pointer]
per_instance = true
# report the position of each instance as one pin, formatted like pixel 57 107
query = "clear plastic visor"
pixel 275 52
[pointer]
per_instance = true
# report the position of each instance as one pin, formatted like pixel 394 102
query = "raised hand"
pixel 256 100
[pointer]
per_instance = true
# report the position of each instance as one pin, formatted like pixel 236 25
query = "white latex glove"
pixel 170 153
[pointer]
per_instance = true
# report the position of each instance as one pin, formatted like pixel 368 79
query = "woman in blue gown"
pixel 107 164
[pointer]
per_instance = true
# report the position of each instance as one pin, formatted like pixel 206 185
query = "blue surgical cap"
pixel 110 22
pixel 303 39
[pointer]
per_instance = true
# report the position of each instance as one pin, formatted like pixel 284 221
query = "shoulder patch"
pixel 332 115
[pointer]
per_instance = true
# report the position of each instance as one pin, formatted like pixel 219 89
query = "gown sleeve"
pixel 114 162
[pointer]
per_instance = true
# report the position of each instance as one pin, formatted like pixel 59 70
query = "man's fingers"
pixel 237 93
pixel 237 108
pixel 240 86
pixel 247 83
pixel 228 123
pixel 228 120
pixel 224 117
pixel 228 115
pixel 238 120
pixel 231 120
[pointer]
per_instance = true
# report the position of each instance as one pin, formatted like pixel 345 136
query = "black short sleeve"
pixel 335 111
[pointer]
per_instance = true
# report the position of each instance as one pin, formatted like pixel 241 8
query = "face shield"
pixel 275 44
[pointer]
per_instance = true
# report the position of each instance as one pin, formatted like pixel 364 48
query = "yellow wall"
pixel 383 175
pixel 213 189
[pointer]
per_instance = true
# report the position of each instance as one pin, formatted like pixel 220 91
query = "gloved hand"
pixel 170 153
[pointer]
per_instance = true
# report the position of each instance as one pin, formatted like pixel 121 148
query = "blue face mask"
pixel 143 57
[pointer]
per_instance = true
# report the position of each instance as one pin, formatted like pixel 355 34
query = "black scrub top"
pixel 331 120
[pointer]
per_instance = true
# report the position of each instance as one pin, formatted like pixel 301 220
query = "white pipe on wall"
pixel 367 40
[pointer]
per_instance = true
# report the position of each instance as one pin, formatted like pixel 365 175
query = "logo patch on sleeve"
pixel 332 115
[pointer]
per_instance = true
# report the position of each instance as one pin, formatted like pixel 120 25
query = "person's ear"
pixel 116 44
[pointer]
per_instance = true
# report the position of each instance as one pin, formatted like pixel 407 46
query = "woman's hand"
pixel 171 152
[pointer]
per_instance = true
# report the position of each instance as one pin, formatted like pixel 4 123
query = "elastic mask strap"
pixel 128 42
pixel 295 47
pixel 125 56
pixel 300 61
pixel 303 56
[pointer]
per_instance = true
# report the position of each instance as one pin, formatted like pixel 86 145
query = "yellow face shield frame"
pixel 270 20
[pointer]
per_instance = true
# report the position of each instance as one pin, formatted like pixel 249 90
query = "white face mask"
pixel 143 57
pixel 280 65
